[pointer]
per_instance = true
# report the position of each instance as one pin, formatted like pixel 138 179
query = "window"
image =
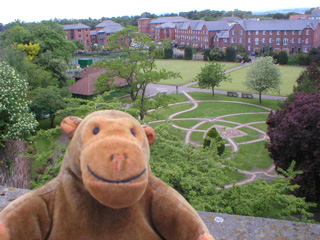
pixel 270 32
pixel 263 40
pixel 278 32
pixel 249 33
pixel 307 40
pixel 264 32
pixel 233 32
pixel 308 32
pixel 270 40
pixel 293 32
pixel 249 48
pixel 299 40
pixel 292 40
pixel 79 35
pixel 79 30
pixel 225 40
pixel 257 32
pixel 249 40
pixel 256 41
pixel 300 32
pixel 278 41
pixel 240 40
pixel 241 32
pixel 285 41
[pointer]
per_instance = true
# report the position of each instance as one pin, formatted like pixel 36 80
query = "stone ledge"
pixel 225 226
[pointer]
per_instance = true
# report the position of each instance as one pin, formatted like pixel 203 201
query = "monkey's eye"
pixel 133 132
pixel 96 130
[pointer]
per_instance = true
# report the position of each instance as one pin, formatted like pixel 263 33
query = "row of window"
pixel 263 40
pixel 191 31
pixel 79 30
pixel 293 50
pixel 182 37
pixel 233 32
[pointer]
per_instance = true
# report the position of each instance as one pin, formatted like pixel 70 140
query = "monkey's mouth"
pixel 116 181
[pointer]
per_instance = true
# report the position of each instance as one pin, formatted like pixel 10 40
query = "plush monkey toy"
pixel 105 190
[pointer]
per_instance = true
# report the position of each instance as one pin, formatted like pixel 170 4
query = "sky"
pixel 38 10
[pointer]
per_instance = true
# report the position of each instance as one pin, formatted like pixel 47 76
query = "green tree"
pixel 283 57
pixel 16 121
pixel 214 140
pixel 263 75
pixel 188 53
pixel 47 101
pixel 217 54
pixel 206 54
pixel 212 75
pixel 231 54
pixel 79 45
pixel 138 67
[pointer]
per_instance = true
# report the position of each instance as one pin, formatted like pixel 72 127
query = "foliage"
pixel 31 49
pixel 216 54
pixel 283 58
pixel 230 54
pixel 206 54
pixel 241 48
pixel 188 53
pixel 47 101
pixel 138 68
pixel 16 121
pixel 79 45
pixel 214 140
pixel 294 134
pixel 212 75
pixel 263 76
pixel 298 59
pixel 168 52
pixel 314 55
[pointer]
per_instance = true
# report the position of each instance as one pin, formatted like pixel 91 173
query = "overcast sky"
pixel 37 10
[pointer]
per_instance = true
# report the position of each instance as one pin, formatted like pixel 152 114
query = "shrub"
pixel 168 52
pixel 206 54
pixel 230 54
pixel 188 52
pixel 216 54
pixel 213 139
pixel 283 58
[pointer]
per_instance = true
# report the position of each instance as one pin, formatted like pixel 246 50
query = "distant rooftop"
pixel 75 26
pixel 169 19
pixel 107 23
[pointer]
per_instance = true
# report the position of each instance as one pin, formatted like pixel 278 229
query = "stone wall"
pixel 225 226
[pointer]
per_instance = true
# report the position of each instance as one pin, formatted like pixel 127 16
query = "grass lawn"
pixel 273 104
pixel 197 136
pixel 187 69
pixel 207 125
pixel 252 135
pixel 247 118
pixel 185 123
pixel 215 109
pixel 261 126
pixel 289 75
pixel 252 155
pixel 164 113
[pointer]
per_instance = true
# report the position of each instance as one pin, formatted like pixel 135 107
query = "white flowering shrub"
pixel 16 120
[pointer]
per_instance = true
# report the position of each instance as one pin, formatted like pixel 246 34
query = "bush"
pixel 230 54
pixel 283 58
pixel 216 54
pixel 206 54
pixel 168 52
pixel 188 52
pixel 213 138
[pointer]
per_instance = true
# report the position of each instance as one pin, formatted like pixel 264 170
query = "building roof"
pixel 315 13
pixel 168 19
pixel 140 19
pixel 85 86
pixel 217 25
pixel 194 25
pixel 93 33
pixel 111 29
pixel 166 25
pixel 223 34
pixel 274 25
pixel 107 23
pixel 230 19
pixel 75 26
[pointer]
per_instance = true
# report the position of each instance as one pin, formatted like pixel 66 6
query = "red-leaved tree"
pixel 295 136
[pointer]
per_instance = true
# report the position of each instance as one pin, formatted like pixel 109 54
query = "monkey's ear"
pixel 69 125
pixel 150 133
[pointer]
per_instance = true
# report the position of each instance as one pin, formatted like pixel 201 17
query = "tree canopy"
pixel 263 76
pixel 211 75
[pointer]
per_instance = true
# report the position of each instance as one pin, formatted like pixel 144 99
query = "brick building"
pixel 79 32
pixel 104 30
pixel 292 36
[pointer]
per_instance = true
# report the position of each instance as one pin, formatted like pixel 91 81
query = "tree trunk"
pixel 260 98
pixel 142 112
pixel 212 91
pixel 52 117
pixel 15 168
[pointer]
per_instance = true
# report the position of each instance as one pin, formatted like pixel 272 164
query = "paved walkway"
pixel 253 175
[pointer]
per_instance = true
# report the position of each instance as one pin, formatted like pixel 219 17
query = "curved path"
pixel 252 175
